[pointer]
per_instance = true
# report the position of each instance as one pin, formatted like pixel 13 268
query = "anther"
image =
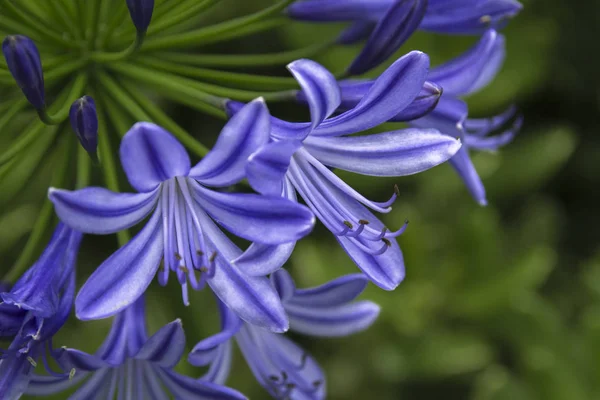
pixel 387 242
pixel 203 269
pixel 200 253
pixel 316 384
pixel 363 222
pixel 31 361
pixel 213 256
pixel 72 373
pixel 184 268
pixel 178 256
pixel 303 360
pixel 348 224
pixel 486 19
pixel 274 378
pixel 396 190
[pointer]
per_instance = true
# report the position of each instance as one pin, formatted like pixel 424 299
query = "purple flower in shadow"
pixel 128 364
pixel 282 367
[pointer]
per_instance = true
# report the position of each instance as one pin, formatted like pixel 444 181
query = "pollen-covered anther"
pixel 32 361
pixel 396 190
pixel 348 224
pixel 486 19
pixel 72 373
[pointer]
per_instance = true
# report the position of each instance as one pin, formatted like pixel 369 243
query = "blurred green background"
pixel 499 302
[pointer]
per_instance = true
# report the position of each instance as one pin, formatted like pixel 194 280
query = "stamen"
pixel 358 231
pixel 303 360
pixel 184 292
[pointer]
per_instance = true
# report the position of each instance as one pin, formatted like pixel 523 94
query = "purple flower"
pixel 84 121
pixel 387 24
pixel 299 156
pixel 141 13
pixel 35 309
pixel 180 231
pixel 283 368
pixel 129 363
pixel 24 63
pixel 461 76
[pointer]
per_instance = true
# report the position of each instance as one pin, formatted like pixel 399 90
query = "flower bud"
pixel 141 13
pixel 84 121
pixel 23 60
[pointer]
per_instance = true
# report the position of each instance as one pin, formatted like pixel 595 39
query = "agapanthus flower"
pixel 282 367
pixel 130 364
pixel 459 77
pixel 389 23
pixel 180 231
pixel 300 154
pixel 34 309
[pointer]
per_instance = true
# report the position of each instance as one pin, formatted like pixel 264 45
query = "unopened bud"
pixel 84 121
pixel 25 65
pixel 141 13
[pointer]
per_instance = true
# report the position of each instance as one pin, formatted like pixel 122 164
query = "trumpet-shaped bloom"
pixel 299 156
pixel 128 364
pixel 180 232
pixel 459 77
pixel 387 24
pixel 283 368
pixel 35 309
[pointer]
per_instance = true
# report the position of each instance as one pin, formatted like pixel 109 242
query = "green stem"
pixel 84 163
pixel 239 80
pixel 65 69
pixel 163 120
pixel 111 57
pixel 108 162
pixel 168 82
pixel 213 94
pixel 226 30
pixel 63 113
pixel 245 60
pixel 122 98
pixel 22 142
pixel 44 218
pixel 62 17
pixel 116 20
pixel 15 108
pixel 178 14
pixel 31 21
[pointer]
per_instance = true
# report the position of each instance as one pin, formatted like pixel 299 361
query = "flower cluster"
pixel 195 223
